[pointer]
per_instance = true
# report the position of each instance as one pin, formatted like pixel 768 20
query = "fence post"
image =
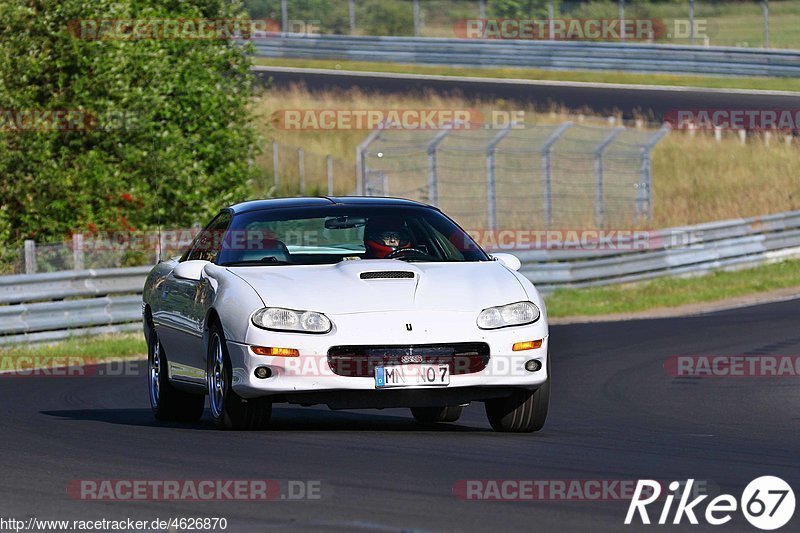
pixel 329 162
pixel 384 183
pixel 275 163
pixel 551 26
pixel 433 174
pixel 547 179
pixel 644 191
pixel 77 251
pixel 691 21
pixel 765 10
pixel 30 257
pixel 599 208
pixel 284 17
pixel 622 20
pixel 482 9
pixel 360 171
pixel 415 6
pixel 491 195
pixel 361 159
pixel 301 167
pixel 351 7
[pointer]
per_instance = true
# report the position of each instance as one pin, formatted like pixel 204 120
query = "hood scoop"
pixel 387 274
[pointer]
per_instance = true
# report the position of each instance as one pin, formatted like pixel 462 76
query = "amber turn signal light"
pixel 527 345
pixel 277 352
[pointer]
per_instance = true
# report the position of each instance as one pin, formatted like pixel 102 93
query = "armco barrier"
pixel 560 55
pixel 56 305
pixel 43 307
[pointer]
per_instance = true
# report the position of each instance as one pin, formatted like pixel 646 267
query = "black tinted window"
pixel 208 242
pixel 334 233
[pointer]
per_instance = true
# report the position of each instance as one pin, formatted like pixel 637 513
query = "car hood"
pixel 341 288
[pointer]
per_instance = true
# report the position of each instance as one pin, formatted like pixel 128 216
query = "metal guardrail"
pixel 558 55
pixel 52 286
pixel 57 305
pixel 743 251
pixel 52 306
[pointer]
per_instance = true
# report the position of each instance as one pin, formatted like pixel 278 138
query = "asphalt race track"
pixel 598 98
pixel 616 415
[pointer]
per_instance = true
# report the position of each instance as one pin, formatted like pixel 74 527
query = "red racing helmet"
pixel 384 236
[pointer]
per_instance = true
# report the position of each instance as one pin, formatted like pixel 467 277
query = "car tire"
pixel 167 402
pixel 433 415
pixel 228 409
pixel 524 411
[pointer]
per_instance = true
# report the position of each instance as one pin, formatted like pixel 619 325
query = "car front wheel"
pixel 228 409
pixel 166 402
pixel 524 411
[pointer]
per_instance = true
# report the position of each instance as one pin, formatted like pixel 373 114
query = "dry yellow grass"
pixel 695 179
pixel 699 180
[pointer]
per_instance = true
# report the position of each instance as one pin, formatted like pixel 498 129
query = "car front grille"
pixel 360 361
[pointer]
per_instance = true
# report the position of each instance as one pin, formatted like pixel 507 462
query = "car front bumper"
pixel 310 379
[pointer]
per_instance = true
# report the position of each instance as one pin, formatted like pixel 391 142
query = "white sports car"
pixel 351 302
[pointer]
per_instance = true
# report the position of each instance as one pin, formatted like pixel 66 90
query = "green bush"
pixel 184 148
pixel 373 17
pixel 520 8
pixel 386 18
pixel 333 17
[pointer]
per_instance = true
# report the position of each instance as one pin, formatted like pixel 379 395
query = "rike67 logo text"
pixel 767 503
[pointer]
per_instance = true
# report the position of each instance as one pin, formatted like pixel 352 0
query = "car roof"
pixel 320 201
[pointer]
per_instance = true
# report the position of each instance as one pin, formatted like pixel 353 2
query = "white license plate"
pixel 411 376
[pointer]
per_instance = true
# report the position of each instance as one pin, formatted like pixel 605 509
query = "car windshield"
pixel 330 234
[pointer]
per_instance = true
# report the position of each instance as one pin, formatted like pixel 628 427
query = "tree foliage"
pixel 521 8
pixel 182 144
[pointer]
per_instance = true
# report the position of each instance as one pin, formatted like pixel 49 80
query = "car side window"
pixel 209 242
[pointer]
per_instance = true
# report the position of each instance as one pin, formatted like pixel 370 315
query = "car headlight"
pixel 279 319
pixel 516 314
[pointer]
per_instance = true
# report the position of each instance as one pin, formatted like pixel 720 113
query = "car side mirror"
pixel 191 270
pixel 509 260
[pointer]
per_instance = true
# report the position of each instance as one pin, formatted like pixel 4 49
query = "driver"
pixel 385 237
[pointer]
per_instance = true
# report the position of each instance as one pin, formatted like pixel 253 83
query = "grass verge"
pixel 672 292
pixel 714 82
pixel 88 348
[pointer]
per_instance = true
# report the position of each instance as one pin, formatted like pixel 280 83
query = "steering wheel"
pixel 394 254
